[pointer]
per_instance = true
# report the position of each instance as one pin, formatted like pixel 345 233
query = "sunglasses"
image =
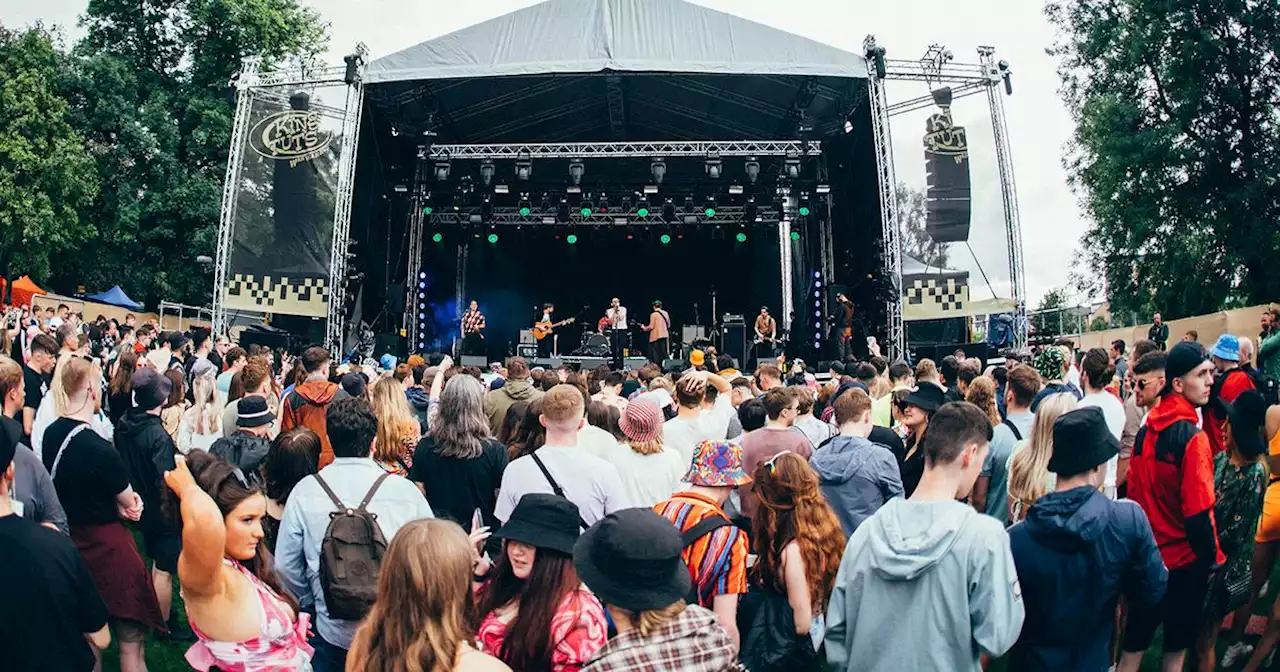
pixel 770 463
pixel 1142 383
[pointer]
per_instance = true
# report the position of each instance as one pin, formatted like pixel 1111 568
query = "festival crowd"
pixel 1053 508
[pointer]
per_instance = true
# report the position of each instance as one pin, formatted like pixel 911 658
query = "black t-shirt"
pixel 456 488
pixel 34 387
pixel 50 600
pixel 89 476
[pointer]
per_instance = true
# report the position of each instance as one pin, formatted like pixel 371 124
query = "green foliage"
pixel 46 172
pixel 146 114
pixel 1174 150
pixel 1050 316
pixel 1099 324
pixel 916 242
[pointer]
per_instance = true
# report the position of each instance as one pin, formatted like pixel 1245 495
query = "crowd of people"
pixel 1053 507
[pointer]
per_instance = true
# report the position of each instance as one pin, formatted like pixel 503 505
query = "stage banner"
pixel 946 159
pixel 280 256
pixel 935 296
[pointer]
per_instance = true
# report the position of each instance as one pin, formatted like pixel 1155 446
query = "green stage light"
pixel 742 237
pixel 493 238
pixel 586 212
pixel 571 239
pixel 643 212
pixel 524 212
pixel 795 235
pixel 426 209
pixel 804 211
pixel 709 212
pixel 437 238
pixel 666 239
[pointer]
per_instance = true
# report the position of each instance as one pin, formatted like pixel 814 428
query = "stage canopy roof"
pixel 723 77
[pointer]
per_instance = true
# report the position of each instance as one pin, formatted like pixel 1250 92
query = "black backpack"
pixel 350 556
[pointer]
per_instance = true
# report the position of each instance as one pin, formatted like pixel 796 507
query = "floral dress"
pixel 578 630
pixel 1239 492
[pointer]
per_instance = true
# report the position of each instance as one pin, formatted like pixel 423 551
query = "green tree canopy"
pixel 1174 151
pixel 46 172
pixel 916 241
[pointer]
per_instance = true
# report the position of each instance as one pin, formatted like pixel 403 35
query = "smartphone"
pixel 477 520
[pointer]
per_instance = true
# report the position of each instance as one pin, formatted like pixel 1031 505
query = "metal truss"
pixel 334 332
pixel 332 74
pixel 628 150
pixel 1009 197
pixel 504 216
pixel 411 283
pixel 244 84
pixel 785 261
pixel 887 182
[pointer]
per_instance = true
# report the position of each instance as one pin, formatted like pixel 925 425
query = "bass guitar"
pixel 543 329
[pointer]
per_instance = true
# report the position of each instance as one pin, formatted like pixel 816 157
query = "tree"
pixel 1049 317
pixel 916 241
pixel 46 172
pixel 1174 151
pixel 1099 323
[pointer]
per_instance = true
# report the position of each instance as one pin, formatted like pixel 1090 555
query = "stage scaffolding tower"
pixel 888 183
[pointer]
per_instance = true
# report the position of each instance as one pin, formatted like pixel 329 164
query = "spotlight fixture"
pixel 642 208
pixel 526 208
pixel 524 166
pixel 658 169
pixel 710 209
pixel 713 165
pixel 437 238
pixel 735 190
pixel 792 163
pixel 428 210
pixel 823 189
pixel 650 189
pixel 668 211
pixel 572 239
pixel 1007 75
pixel 750 211
pixel 665 239
pixel 688 204
pixel 352 73
pixel 586 209
pixel 753 169
pixel 576 170
pixel 493 238
pixel 804 205
pixel 443 165
pixel 562 211
pixel 741 237
pixel 876 54
pixel 602 204
pixel 487 169
pixel 795 235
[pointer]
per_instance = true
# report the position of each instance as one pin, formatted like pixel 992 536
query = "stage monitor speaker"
pixel 634 363
pixel 527 350
pixel 590 363
pixel 673 365
pixel 548 362
pixel 734 340
pixel 946 158
pixel 476 361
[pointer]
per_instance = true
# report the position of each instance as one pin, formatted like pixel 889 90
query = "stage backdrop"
pixel 280 257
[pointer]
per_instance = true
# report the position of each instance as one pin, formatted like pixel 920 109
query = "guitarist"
pixel 659 329
pixel 766 334
pixel 547 342
pixel 473 330
pixel 617 315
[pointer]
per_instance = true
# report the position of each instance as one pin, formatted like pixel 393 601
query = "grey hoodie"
pixel 857 477
pixel 937 573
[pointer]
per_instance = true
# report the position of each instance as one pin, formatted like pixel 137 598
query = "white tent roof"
pixel 585 36
pixel 913 266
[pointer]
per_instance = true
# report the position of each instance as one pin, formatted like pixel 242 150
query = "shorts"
pixel 129 632
pixel 1181 612
pixel 163 548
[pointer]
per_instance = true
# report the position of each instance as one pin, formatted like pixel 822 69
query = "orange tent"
pixel 24 289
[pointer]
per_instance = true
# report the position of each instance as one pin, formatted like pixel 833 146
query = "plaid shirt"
pixel 691 642
pixel 472 322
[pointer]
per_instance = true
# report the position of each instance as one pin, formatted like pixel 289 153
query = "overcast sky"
pixel 1039 126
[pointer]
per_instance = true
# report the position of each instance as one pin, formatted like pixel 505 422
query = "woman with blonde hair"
pixel 650 470
pixel 799 542
pixel 398 430
pixel 1029 476
pixel 420 621
pixel 202 423
pixel 982 393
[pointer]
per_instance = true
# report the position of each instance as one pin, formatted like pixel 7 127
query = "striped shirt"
pixel 718 561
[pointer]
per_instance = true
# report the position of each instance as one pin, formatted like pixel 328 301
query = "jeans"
pixel 327 658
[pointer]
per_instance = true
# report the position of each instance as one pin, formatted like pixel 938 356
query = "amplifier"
pixel 691 333
pixel 730 318
pixel 526 338
pixel 527 351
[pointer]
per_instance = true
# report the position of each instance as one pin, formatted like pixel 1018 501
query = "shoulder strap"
pixel 325 486
pixel 66 442
pixel 555 487
pixel 1016 434
pixel 1139 440
pixel 373 490
pixel 703 528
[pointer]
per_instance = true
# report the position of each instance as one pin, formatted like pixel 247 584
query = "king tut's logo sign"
pixel 294 136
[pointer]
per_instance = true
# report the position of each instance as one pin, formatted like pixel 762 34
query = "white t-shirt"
pixel 1113 411
pixel 647 479
pixel 718 416
pixel 684 434
pixel 586 480
pixel 595 440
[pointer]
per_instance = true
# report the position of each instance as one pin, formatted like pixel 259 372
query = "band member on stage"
pixel 547 343
pixel 473 330
pixel 766 333
pixel 659 329
pixel 844 324
pixel 617 315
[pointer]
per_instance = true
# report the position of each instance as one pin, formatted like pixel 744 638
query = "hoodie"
pixel 305 407
pixel 242 450
pixel 498 401
pixel 1076 554
pixel 420 402
pixel 857 477
pixel 938 570
pixel 693 641
pixel 147 451
pixel 1171 478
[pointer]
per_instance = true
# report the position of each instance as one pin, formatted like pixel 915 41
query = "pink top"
pixel 281 645
pixel 578 630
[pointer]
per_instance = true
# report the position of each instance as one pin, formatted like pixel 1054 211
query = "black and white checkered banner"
pixel 297 295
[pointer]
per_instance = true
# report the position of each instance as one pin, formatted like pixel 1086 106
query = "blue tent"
pixel 115 297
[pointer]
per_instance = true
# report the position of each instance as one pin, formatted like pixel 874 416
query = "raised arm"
pixel 204 535
pixel 722 386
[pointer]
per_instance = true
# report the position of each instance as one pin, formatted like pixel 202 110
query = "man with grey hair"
pixel 1246 355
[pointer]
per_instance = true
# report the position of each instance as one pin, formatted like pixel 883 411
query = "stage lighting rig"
pixel 876 53
pixel 443 165
pixel 710 209
pixel 750 211
pixel 1007 75
pixel 658 169
pixel 524 166
pixel 668 211
pixel 586 208
pixel 688 205
pixel 576 170
pixel 804 205
pixel 487 169
pixel 642 208
pixel 562 211
pixel 792 164
pixel 753 169
pixel 713 165
pixel 602 204
pixel 526 208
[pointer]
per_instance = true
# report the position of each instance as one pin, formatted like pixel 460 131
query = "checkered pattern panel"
pixel 938 294
pixel 300 295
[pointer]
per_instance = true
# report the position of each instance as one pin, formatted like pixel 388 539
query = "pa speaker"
pixel 472 360
pixel 946 158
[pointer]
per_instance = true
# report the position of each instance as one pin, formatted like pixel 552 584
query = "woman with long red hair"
pixel 797 539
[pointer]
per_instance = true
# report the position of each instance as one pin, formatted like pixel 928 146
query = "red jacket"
pixel 1172 480
pixel 305 406
pixel 1232 384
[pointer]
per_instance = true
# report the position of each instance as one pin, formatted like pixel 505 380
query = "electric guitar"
pixel 543 329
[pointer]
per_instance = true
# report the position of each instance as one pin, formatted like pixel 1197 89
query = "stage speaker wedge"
pixel 946 156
